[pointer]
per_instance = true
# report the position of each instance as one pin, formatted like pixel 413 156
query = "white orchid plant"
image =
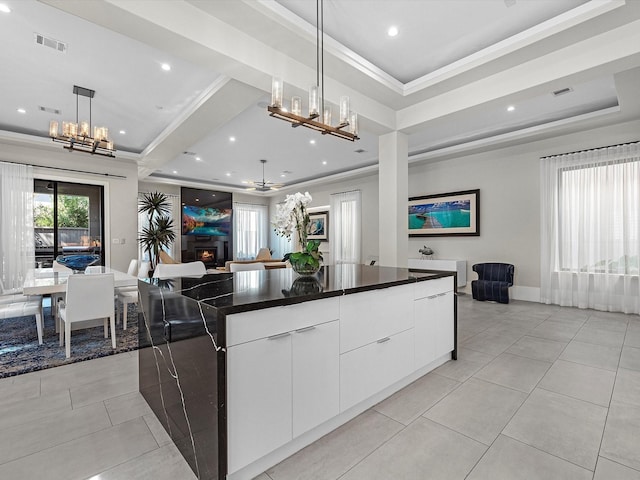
pixel 291 216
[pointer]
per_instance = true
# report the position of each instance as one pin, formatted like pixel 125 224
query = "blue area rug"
pixel 20 352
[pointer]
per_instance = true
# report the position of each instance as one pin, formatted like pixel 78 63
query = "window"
pixel 598 211
pixel 250 230
pixel 346 227
pixel 68 219
pixel 590 229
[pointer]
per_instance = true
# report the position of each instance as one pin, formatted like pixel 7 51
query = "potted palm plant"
pixel 158 233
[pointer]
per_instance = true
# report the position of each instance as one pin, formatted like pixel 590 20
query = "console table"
pixel 459 266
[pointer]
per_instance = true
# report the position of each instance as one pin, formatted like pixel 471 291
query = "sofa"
pixel 263 256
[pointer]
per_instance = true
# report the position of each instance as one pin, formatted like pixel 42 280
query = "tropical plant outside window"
pixel 73 211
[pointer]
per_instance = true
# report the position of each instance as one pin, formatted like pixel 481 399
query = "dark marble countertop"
pixel 253 290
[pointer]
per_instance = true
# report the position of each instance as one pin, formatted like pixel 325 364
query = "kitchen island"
pixel 245 369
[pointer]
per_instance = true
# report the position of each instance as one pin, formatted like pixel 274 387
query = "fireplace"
pixel 207 255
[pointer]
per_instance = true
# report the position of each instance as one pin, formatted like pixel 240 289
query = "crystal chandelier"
pixel 347 126
pixel 77 136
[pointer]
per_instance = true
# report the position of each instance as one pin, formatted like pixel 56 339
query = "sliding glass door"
pixel 68 219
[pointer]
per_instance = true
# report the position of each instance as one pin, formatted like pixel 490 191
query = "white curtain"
pixel 346 227
pixel 251 230
pixel 17 248
pixel 590 229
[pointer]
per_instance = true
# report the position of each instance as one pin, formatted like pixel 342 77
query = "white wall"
pixel 509 183
pixel 121 221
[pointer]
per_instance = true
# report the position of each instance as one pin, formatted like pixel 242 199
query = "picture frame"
pixel 444 214
pixel 318 226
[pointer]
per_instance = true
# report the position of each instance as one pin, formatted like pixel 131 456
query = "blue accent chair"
pixel 494 280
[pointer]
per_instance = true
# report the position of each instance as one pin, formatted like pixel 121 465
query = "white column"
pixel 393 192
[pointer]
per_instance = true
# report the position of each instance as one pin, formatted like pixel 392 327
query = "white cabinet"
pixel 458 266
pixel 373 367
pixel 433 328
pixel 443 323
pixel 281 385
pixel 316 370
pixel 292 369
pixel 258 398
pixel 369 316
pixel 424 339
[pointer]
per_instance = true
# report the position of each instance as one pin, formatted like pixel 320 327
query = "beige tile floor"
pixel 538 392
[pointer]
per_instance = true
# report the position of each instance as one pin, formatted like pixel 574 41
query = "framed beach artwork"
pixel 445 214
pixel 318 226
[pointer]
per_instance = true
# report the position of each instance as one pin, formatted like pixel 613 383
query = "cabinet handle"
pixel 382 340
pixel 280 335
pixel 432 297
pixel 305 329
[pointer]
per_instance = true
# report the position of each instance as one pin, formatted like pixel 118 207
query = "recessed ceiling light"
pixel 282 175
pixel 4 8
pixel 312 142
pixel 510 108
pixel 393 31
pixel 228 174
pixel 166 67
pixel 197 199
pixel 198 159
pixel 213 194
pixel 122 132
pixel 175 171
pixel 324 162
pixel 244 181
pixel 232 139
pixel 22 110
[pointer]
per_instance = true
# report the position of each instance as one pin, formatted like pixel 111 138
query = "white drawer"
pixel 427 288
pixel 368 316
pixel 367 370
pixel 248 326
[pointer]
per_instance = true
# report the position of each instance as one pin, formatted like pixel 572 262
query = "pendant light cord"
pixel 322 51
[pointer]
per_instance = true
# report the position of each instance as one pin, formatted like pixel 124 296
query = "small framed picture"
pixel 318 226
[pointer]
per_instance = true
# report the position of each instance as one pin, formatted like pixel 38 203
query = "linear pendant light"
pixel 319 117
pixel 77 136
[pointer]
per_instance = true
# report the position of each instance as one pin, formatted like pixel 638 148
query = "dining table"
pixel 46 281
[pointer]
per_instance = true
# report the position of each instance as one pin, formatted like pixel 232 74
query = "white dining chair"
pixel 93 269
pixel 171 270
pixel 88 297
pixel 245 267
pixel 18 305
pixel 58 297
pixel 143 270
pixel 127 295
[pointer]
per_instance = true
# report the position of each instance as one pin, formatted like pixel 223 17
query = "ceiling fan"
pixel 264 186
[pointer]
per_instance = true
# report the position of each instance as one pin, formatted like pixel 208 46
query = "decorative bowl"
pixel 78 263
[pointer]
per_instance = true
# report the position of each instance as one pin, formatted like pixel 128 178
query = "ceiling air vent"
pixel 562 91
pixel 55 111
pixel 360 150
pixel 51 43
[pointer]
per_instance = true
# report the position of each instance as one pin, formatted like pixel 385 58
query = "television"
pixel 206 221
